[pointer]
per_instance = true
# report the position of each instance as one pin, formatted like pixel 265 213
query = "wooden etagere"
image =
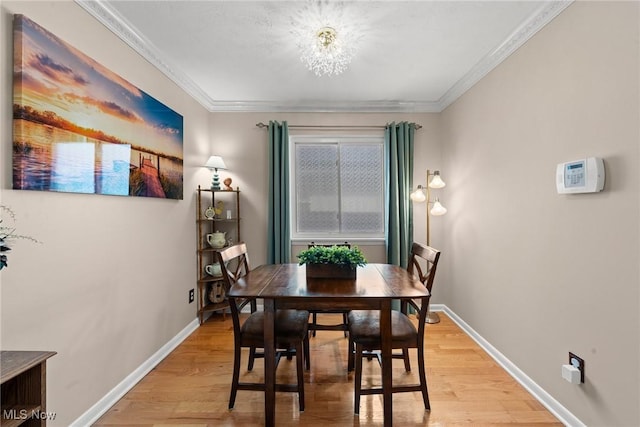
pixel 226 220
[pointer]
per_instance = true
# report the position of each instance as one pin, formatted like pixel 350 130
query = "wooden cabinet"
pixel 217 212
pixel 24 388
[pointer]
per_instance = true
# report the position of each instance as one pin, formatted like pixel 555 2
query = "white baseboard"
pixel 110 399
pixel 562 413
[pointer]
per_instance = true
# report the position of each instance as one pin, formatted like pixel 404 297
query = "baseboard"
pixel 566 417
pixel 110 399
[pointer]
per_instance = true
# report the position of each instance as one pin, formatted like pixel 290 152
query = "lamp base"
pixel 215 182
pixel 432 317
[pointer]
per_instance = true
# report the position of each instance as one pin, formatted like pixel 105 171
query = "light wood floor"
pixel 191 387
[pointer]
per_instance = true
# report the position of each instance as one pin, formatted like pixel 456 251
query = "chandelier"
pixel 326 37
pixel 325 52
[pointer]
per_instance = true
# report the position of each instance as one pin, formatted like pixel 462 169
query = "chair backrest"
pixel 234 264
pixel 313 244
pixel 428 257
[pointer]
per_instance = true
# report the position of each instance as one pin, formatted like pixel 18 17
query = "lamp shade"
pixel 418 196
pixel 215 162
pixel 438 209
pixel 436 181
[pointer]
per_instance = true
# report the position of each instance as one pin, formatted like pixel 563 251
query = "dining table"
pixel 286 286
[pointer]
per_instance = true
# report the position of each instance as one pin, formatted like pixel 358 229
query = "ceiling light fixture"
pixel 326 53
pixel 327 41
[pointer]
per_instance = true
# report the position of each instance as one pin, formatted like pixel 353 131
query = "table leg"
pixel 387 381
pixel 269 363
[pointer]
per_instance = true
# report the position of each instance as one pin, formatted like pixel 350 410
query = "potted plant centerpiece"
pixel 337 262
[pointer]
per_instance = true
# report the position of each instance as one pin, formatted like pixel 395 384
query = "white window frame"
pixel 362 238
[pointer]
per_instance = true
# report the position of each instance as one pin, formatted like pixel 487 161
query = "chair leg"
pixel 300 372
pixel 350 354
pixel 314 322
pixel 357 380
pixel 307 360
pixel 252 356
pixel 345 322
pixel 423 377
pixel 405 356
pixel 236 377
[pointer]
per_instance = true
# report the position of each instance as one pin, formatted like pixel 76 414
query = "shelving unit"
pixel 24 388
pixel 227 221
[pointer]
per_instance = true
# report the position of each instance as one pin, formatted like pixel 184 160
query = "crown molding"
pixel 327 107
pixel 111 19
pixel 102 11
pixel 545 14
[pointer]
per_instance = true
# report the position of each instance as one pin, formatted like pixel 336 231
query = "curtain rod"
pixel 262 125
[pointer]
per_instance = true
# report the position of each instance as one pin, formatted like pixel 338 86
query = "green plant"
pixel 7 233
pixel 342 255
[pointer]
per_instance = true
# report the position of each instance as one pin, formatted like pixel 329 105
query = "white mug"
pixel 213 269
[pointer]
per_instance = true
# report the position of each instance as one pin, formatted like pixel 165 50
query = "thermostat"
pixel 580 176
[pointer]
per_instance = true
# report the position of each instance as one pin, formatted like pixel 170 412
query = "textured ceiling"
pixel 243 55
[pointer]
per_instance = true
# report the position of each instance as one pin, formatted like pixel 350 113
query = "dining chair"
pixel 314 325
pixel 364 330
pixel 291 329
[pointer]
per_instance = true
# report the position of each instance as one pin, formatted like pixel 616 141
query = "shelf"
pixel 204 250
pixel 15 415
pixel 209 190
pixel 210 279
pixel 213 306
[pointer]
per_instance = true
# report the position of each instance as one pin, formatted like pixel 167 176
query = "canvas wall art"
pixel 79 127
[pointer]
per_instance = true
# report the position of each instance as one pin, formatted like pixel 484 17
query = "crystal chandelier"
pixel 327 35
pixel 325 52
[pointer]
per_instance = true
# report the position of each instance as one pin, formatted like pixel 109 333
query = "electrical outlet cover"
pixel 577 362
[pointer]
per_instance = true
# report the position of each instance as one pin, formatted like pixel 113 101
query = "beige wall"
pixel 536 273
pixel 109 285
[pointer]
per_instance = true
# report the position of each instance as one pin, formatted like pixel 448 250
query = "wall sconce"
pixel 437 209
pixel 215 163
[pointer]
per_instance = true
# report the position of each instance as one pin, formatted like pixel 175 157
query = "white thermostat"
pixel 580 176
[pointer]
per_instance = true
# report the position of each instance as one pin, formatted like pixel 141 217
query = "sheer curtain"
pixel 398 140
pixel 278 236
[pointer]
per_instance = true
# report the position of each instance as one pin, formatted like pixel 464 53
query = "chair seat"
pixel 291 325
pixel 364 328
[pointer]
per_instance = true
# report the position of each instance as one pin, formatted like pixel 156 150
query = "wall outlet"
pixel 192 295
pixel 578 363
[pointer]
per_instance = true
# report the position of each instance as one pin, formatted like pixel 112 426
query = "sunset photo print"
pixel 80 128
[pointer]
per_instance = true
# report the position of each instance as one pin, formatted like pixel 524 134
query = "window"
pixel 337 187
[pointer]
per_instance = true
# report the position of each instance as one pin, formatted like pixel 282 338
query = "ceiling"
pixel 412 56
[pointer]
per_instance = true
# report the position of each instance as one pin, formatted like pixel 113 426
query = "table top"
pixel 378 281
pixel 13 363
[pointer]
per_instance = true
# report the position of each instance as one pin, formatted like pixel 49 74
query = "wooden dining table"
pixel 285 286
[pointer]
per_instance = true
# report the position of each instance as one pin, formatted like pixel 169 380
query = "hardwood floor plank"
pixel 190 387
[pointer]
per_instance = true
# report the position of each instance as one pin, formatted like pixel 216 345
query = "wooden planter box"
pixel 330 271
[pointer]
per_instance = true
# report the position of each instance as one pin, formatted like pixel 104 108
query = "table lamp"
pixel 215 163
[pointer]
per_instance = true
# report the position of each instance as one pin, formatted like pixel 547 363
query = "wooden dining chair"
pixel 314 325
pixel 364 330
pixel 291 329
